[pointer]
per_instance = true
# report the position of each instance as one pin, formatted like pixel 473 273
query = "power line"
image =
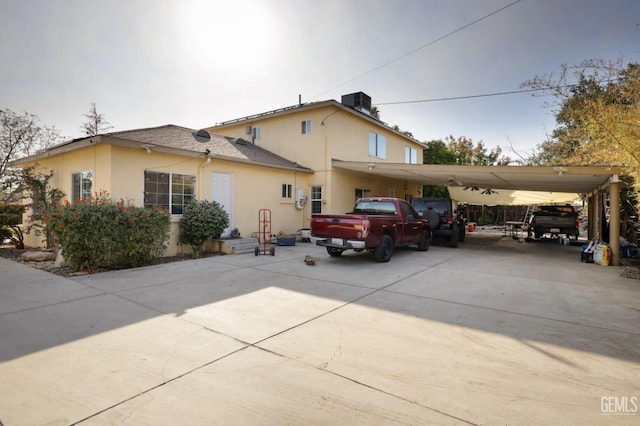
pixel 420 48
pixel 485 95
pixel 454 98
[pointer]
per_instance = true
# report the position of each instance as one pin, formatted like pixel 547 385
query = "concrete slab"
pixel 24 288
pixel 254 387
pixel 493 332
pixel 70 360
pixel 247 304
pixel 474 364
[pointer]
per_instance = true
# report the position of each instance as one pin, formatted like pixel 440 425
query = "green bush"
pixel 200 221
pixel 10 220
pixel 485 220
pixel 104 234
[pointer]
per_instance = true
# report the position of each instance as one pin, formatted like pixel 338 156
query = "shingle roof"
pixel 182 138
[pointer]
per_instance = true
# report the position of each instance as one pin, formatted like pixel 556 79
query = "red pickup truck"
pixel 376 224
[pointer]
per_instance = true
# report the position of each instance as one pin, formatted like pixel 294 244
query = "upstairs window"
pixel 377 145
pixel 410 155
pixel 306 127
pixel 81 186
pixel 170 191
pixel 257 133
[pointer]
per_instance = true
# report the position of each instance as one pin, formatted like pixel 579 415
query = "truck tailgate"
pixel 337 226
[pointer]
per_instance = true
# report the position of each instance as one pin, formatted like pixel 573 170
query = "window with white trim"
pixel 81 186
pixel 170 191
pixel 287 191
pixel 257 132
pixel 316 199
pixel 306 127
pixel 377 145
pixel 410 155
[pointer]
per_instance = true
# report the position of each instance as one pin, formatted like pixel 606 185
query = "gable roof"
pixel 179 140
pixel 309 106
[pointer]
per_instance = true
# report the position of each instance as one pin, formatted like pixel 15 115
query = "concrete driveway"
pixel 494 332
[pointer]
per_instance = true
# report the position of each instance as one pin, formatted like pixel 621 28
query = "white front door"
pixel 222 192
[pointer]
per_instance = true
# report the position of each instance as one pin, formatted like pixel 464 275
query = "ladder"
pixel 527 216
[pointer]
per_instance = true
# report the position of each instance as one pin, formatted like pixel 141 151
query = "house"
pixel 321 135
pixel 166 166
pixel 286 160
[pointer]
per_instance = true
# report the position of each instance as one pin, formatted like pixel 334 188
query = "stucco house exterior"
pixel 322 134
pixel 286 160
pixel 166 166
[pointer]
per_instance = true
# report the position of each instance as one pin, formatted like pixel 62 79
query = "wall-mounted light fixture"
pixel 371 166
pixel 560 170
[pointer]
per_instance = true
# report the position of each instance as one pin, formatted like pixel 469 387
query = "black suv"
pixel 446 220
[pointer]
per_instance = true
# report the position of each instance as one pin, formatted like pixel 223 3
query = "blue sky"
pixel 196 62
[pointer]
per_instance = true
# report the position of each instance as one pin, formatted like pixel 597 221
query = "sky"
pixel 195 63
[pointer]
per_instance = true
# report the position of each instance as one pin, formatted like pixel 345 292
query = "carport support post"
pixel 614 220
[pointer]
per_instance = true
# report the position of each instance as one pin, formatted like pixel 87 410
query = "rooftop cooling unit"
pixel 359 101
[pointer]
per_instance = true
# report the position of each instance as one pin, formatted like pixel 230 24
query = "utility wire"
pixel 454 98
pixel 485 95
pixel 419 48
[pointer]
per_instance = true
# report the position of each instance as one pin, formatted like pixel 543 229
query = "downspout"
pixel 198 176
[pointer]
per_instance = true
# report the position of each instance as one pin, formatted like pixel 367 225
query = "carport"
pixel 549 182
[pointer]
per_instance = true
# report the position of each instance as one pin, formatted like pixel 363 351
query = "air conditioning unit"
pixel 359 101
pixel 248 130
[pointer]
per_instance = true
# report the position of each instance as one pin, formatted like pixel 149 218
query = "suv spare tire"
pixel 434 218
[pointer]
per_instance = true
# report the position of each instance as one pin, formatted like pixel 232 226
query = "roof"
pixel 480 178
pixel 179 140
pixel 312 105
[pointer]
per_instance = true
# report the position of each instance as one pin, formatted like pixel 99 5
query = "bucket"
pixel 471 227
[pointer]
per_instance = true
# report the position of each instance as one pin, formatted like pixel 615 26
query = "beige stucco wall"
pixel 336 134
pixel 120 172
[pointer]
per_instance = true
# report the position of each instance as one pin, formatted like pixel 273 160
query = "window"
pixel 410 155
pixel 362 193
pixel 306 127
pixel 257 133
pixel 170 191
pixel 377 145
pixel 316 199
pixel 81 186
pixel 287 191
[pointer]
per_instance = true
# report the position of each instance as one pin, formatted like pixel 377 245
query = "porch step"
pixel 237 245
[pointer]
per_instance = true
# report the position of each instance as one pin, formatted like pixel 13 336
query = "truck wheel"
pixel 454 238
pixel 335 252
pixel 463 232
pixel 384 250
pixel 423 244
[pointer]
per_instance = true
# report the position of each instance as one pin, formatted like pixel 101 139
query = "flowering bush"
pixel 102 233
pixel 202 220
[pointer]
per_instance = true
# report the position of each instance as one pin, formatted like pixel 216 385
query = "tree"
pixel 437 152
pixel 21 136
pixel 96 123
pixel 466 153
pixel 375 112
pixel 598 116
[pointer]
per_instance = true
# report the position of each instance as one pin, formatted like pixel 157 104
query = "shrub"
pixel 104 234
pixel 10 220
pixel 200 221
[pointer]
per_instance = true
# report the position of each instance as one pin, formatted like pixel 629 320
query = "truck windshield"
pixel 385 207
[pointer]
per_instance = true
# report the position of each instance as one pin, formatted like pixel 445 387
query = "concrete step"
pixel 235 245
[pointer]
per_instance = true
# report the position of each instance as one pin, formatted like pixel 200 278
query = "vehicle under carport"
pixel 511 185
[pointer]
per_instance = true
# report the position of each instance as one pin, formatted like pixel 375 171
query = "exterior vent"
pixel 248 130
pixel 359 101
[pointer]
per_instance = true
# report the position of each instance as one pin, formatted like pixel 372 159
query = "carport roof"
pixel 575 179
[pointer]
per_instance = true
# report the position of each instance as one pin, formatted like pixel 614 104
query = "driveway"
pixel 493 332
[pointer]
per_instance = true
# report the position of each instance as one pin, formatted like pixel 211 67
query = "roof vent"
pixel 359 101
